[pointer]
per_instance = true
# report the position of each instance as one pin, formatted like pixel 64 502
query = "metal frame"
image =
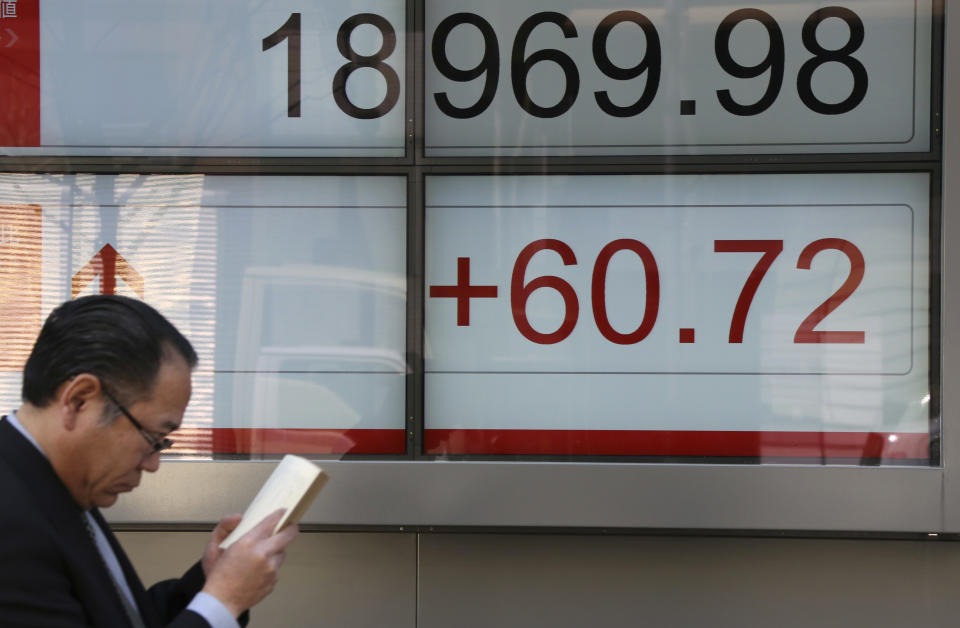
pixel 427 493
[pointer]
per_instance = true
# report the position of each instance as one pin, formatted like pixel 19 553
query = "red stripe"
pixel 288 441
pixel 856 445
pixel 875 445
pixel 20 76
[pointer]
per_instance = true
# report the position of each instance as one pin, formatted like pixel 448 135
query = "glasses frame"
pixel 156 446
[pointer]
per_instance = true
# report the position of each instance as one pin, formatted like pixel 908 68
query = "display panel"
pixel 575 77
pixel 778 316
pixel 573 488
pixel 203 77
pixel 292 289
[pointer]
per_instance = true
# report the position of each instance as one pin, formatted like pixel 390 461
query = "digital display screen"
pixel 203 78
pixel 292 290
pixel 687 231
pixel 575 77
pixel 781 316
pixel 545 77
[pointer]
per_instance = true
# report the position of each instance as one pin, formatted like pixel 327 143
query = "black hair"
pixel 122 341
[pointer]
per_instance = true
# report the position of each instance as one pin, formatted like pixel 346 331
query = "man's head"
pixel 122 341
pixel 96 358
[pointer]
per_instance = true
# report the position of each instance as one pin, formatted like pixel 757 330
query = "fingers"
pixel 278 542
pixel 263 538
pixel 248 570
pixel 231 521
pixel 225 527
pixel 265 528
pixel 276 561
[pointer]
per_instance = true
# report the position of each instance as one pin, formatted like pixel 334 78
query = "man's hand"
pixel 212 552
pixel 247 571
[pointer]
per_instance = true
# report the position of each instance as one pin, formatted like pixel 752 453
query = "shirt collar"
pixel 15 422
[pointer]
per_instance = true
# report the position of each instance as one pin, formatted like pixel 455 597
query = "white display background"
pixel 292 289
pixel 488 375
pixel 190 77
pixel 892 117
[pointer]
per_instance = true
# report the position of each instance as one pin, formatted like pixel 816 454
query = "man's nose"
pixel 150 463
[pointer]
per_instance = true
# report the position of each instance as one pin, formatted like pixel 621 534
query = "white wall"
pixel 385 580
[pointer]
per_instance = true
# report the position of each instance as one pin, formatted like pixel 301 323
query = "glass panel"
pixel 767 317
pixel 292 289
pixel 569 77
pixel 204 77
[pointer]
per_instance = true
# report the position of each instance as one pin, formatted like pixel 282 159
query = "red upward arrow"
pixel 108 264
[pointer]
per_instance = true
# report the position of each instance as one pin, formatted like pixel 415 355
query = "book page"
pixel 293 485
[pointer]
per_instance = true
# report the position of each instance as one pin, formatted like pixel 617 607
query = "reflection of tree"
pixel 153 222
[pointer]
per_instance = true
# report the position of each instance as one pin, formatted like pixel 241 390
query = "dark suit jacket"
pixel 51 574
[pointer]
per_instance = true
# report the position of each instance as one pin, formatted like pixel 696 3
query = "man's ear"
pixel 75 396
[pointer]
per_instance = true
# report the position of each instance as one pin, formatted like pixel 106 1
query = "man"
pixel 108 379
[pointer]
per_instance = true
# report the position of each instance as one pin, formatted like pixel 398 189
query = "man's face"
pixel 113 456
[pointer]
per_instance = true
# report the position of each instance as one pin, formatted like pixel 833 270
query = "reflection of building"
pixel 20 294
pixel 351 307
pixel 143 218
pixel 304 385
pixel 318 348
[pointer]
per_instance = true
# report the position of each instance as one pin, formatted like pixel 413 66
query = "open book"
pixel 293 485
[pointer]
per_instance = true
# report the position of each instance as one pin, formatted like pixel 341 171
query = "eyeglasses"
pixel 156 446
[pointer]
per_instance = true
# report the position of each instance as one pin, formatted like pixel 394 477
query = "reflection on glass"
pixel 292 290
